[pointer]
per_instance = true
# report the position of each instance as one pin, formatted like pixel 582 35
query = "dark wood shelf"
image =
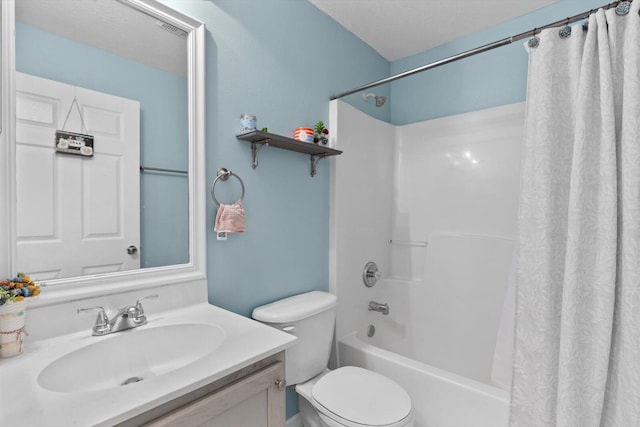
pixel 260 138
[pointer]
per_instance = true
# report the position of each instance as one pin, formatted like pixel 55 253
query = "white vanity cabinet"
pixel 237 381
pixel 251 397
pixel 252 401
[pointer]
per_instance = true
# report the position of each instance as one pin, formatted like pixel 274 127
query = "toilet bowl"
pixel 354 397
pixel 345 397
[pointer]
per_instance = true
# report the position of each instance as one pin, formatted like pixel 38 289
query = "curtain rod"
pixel 475 51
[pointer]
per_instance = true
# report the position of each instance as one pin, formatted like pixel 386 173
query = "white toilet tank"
pixel 311 317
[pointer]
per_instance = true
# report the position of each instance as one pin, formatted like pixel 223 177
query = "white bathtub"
pixel 439 339
pixel 440 398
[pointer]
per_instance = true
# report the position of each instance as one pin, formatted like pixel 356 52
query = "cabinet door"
pixel 253 401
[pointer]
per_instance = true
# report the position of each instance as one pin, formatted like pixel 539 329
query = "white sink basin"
pixel 127 357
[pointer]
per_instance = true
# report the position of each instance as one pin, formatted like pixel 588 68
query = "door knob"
pixel 132 250
pixel 281 384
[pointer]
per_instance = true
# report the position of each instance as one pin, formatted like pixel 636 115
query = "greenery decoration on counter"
pixel 17 289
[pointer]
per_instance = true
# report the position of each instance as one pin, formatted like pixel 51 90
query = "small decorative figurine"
pixel 321 133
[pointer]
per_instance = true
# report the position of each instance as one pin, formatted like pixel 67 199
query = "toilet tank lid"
pixel 295 308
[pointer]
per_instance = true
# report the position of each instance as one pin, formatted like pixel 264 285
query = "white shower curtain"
pixel 577 339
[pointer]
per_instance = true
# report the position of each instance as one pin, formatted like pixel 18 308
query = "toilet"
pixel 345 397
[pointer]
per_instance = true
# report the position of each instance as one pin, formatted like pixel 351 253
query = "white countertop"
pixel 23 402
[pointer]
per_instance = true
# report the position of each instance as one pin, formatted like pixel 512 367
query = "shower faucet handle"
pixel 374 274
pixel 370 274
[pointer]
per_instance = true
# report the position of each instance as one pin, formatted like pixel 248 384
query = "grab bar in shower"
pixel 420 243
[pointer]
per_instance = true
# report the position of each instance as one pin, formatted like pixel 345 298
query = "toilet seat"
pixel 357 397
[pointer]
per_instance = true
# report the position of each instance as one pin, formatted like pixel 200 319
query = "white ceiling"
pixel 394 28
pixel 400 28
pixel 111 26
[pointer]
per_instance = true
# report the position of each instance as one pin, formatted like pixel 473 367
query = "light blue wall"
pixel 164 222
pixel 281 60
pixel 487 80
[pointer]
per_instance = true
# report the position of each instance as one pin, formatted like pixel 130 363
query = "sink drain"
pixel 132 380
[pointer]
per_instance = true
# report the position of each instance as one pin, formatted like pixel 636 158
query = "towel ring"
pixel 224 174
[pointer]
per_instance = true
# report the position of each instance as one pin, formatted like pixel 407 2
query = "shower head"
pixel 380 100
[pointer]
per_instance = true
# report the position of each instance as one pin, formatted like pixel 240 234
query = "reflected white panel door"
pixel 76 215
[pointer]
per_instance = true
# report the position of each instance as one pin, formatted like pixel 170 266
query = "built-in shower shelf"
pixel 259 139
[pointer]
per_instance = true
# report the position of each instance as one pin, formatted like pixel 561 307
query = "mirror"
pixel 98 214
pixel 106 133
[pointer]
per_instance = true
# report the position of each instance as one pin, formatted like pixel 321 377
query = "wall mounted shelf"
pixel 258 139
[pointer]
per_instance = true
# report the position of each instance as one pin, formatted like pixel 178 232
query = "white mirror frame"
pixel 77 288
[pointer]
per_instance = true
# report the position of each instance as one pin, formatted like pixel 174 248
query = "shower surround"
pixel 434 204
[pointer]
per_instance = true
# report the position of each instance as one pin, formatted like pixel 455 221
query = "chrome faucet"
pixel 128 317
pixel 376 306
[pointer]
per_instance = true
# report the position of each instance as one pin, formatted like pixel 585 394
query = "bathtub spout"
pixel 376 306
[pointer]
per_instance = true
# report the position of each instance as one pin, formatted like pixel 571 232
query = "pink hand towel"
pixel 230 218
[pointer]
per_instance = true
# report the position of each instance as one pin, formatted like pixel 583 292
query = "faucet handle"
pixel 154 296
pixel 141 314
pixel 102 321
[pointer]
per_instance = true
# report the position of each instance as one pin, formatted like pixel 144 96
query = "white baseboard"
pixel 295 421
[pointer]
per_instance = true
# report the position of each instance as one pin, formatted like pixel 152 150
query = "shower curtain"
pixel 577 333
